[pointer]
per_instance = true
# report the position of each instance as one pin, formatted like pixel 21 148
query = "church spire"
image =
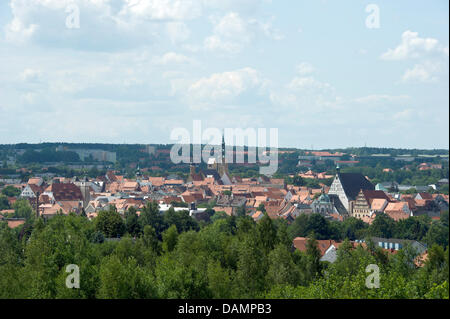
pixel 223 146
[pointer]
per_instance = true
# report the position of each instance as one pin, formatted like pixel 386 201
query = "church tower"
pixel 223 165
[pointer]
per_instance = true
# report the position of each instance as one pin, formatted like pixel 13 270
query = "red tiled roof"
pixel 66 192
pixel 323 245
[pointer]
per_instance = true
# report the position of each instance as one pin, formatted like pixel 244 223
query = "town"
pixel 332 198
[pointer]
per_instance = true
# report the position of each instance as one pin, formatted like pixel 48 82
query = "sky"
pixel 326 74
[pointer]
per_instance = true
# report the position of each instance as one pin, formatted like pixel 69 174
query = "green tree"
pixel 23 209
pixel 11 191
pixel 151 239
pixel 132 225
pixel 219 281
pixel 437 234
pixel 298 181
pixel 382 226
pixel 313 255
pixel 4 203
pixel 170 238
pixel 282 269
pixel 251 268
pixel 267 233
pixel 110 223
pixel 124 279
pixel 150 215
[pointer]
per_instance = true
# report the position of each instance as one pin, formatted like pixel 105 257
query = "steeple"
pixel 223 147
pixel 222 165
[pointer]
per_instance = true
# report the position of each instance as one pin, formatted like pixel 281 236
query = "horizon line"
pixel 280 147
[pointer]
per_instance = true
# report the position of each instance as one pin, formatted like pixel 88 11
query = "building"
pixel 347 187
pixel 31 191
pixel 328 248
pixel 364 201
pixel 397 244
pixel 216 169
pixel 322 205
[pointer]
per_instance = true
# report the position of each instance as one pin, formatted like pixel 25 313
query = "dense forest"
pixel 173 256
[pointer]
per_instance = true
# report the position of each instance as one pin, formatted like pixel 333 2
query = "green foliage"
pixel 382 226
pixel 11 191
pixel 298 181
pixel 124 279
pixel 229 258
pixel 132 225
pixel 266 233
pixel 48 155
pixel 110 223
pixel 150 215
pixel 170 238
pixel 4 203
pixel 305 225
pixel 23 209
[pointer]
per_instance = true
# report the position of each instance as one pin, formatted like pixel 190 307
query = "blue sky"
pixel 136 69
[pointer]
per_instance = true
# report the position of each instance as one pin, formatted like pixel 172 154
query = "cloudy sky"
pixel 323 72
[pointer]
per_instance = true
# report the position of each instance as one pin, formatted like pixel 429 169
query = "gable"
pixel 352 183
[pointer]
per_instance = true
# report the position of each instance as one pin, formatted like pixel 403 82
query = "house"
pixel 363 203
pixel 64 192
pixel 130 187
pixel 31 191
pixel 301 209
pixel 426 196
pixel 397 244
pixel 378 205
pixel 398 210
pixel 386 186
pixel 429 166
pixel 327 248
pixel 347 186
pixel 38 181
pixel 51 210
pixel 257 215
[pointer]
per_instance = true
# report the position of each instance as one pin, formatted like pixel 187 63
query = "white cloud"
pixel 403 115
pixel 172 58
pixel 232 33
pixel 382 98
pixel 16 31
pixel 300 84
pixel 305 68
pixel 308 99
pixel 178 32
pixel 30 75
pixel 223 87
pixel 243 6
pixel 162 9
pixel 423 72
pixel 412 46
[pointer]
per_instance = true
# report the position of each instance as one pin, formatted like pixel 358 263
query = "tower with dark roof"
pixel 223 166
